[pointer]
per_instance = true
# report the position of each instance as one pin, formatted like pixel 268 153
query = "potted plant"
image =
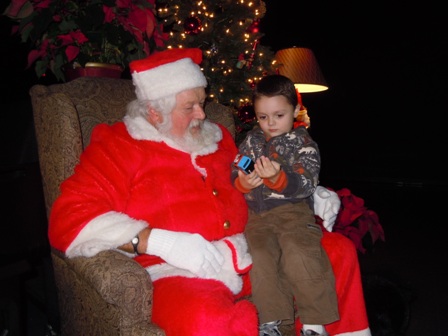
pixel 65 34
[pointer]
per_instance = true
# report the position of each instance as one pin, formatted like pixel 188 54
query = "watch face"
pixel 134 243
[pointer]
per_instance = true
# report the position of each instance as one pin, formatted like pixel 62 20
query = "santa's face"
pixel 186 122
pixel 188 113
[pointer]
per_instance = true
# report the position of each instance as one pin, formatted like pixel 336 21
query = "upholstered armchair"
pixel 109 294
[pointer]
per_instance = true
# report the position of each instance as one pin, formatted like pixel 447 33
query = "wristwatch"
pixel 134 243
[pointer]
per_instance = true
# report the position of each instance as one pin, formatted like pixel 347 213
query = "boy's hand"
pixel 249 181
pixel 267 169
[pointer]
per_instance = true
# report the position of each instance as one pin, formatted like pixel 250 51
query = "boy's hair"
pixel 276 85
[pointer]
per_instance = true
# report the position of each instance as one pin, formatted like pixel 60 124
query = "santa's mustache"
pixel 195 123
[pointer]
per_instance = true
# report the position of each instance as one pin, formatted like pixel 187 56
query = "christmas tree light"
pixel 228 33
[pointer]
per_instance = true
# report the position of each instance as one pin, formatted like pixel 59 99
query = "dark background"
pixel 383 117
pixel 380 128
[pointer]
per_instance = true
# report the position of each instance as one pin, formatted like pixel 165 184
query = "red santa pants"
pixel 352 312
pixel 198 307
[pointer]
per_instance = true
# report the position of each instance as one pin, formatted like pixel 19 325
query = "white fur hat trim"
pixel 168 79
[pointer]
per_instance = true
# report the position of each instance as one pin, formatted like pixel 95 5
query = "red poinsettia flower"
pixel 355 221
pixel 42 4
pixel 64 33
pixel 352 207
pixel 39 53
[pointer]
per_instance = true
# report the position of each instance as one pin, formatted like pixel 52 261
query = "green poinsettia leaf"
pixel 41 24
pixel 67 26
pixel 95 36
pixel 92 19
pixel 23 12
pixel 109 3
pixel 41 68
pixel 26 31
pixel 59 74
pixel 57 67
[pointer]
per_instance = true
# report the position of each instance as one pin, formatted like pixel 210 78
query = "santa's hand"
pixel 185 250
pixel 326 206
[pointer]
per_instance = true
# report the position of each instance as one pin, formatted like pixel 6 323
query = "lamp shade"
pixel 300 65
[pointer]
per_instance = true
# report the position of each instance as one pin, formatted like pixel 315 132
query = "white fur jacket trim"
pixel 237 262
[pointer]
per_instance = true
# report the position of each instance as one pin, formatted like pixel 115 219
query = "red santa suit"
pixel 130 177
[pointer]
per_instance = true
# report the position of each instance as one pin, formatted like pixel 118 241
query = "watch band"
pixel 134 243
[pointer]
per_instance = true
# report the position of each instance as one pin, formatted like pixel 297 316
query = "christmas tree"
pixel 228 33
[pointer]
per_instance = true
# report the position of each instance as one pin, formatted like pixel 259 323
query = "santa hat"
pixel 167 72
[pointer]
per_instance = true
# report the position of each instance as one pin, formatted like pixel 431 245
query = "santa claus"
pixel 156 186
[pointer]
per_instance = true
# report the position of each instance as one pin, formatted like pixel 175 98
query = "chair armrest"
pixel 118 279
pixel 111 282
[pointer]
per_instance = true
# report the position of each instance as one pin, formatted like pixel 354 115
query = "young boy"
pixel 291 271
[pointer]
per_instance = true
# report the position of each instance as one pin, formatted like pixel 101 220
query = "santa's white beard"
pixel 197 140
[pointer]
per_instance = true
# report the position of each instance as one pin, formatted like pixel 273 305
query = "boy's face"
pixel 275 115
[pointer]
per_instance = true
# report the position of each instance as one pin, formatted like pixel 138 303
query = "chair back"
pixel 65 114
pixel 108 294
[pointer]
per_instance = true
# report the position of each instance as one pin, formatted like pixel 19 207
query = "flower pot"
pixel 94 69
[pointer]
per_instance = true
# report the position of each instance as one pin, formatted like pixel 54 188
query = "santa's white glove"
pixel 237 261
pixel 326 206
pixel 185 250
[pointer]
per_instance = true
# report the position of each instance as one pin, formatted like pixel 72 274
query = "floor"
pixel 405 277
pixel 411 258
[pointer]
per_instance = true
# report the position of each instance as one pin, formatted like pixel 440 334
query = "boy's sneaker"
pixel 270 329
pixel 309 332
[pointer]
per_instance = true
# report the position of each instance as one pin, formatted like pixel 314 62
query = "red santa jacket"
pixel 130 176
